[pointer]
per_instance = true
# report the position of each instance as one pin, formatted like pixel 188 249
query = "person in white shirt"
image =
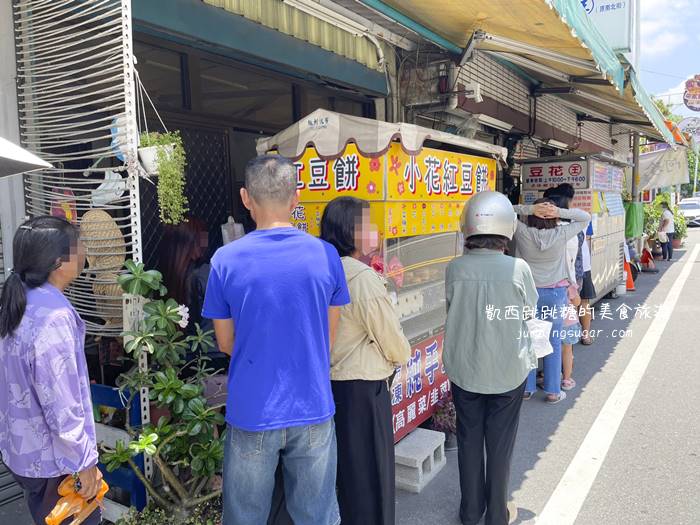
pixel 667 227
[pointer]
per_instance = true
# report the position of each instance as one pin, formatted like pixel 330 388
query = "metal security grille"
pixel 77 110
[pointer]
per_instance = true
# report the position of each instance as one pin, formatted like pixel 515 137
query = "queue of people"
pixel 313 340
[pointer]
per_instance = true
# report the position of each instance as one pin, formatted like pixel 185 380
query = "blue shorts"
pixel 570 335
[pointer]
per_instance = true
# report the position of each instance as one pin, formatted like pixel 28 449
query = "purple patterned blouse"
pixel 46 420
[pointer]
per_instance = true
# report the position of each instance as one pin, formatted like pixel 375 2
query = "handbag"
pixel 663 237
pixel 539 331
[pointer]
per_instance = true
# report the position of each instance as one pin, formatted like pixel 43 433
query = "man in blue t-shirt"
pixel 279 290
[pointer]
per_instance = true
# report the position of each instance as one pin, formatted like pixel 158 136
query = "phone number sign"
pixel 543 176
pixel 418 386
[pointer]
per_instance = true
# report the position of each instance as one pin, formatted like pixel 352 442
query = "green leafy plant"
pixel 139 281
pixel 679 223
pixel 187 444
pixel 652 214
pixel 652 217
pixel 171 174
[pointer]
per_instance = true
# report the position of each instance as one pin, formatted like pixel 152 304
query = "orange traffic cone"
pixel 628 276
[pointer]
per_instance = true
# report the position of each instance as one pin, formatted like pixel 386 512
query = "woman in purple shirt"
pixel 47 430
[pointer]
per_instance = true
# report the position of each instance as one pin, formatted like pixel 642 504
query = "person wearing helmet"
pixel 487 354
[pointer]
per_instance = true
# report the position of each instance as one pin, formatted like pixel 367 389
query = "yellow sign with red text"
pixel 409 194
pixel 437 175
pixel 351 174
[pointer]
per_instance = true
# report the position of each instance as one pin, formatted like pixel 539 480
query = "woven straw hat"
pixel 104 241
pixel 108 298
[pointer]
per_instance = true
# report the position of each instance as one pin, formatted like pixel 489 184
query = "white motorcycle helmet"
pixel 488 213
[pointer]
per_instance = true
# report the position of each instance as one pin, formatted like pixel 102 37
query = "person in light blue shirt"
pixel 279 290
pixel 488 355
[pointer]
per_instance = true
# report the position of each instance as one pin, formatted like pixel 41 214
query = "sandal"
pixel 527 396
pixel 512 512
pixel 586 341
pixel 568 384
pixel 553 399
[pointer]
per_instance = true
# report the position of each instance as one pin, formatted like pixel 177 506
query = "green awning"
pixel 650 110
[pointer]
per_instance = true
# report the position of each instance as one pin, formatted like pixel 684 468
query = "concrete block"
pixel 419 457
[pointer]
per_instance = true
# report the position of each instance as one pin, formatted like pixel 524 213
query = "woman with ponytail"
pixel 47 430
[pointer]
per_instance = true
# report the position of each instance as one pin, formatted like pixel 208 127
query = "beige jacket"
pixel 369 343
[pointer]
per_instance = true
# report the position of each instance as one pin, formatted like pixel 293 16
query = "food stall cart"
pixel 416 196
pixel 598 181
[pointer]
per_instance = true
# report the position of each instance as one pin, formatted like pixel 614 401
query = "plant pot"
pixel 677 243
pixel 149 157
pixel 158 412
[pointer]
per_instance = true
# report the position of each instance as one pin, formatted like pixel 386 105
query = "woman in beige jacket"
pixel 369 345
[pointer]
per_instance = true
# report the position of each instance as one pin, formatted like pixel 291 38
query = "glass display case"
pixel 415 269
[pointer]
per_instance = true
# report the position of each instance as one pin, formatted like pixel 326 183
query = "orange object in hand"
pixel 72 504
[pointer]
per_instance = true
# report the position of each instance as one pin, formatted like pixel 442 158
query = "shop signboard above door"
pixel 409 194
pixel 432 174
pixel 550 174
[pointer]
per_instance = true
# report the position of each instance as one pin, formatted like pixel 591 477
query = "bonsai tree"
pixel 170 160
pixel 186 446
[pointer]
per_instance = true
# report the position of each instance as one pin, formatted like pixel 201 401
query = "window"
pixel 160 71
pixel 244 95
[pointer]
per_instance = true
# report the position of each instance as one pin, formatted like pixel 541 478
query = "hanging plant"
pixel 163 154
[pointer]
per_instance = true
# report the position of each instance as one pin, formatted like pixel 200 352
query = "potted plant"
pixel 187 449
pixel 163 154
pixel 680 225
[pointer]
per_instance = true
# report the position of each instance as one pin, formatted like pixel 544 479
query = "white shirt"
pixel 669 228
pixel 586 256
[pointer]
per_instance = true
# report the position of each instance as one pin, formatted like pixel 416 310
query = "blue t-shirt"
pixel 277 286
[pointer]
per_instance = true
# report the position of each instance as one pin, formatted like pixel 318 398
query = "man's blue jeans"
pixel 550 308
pixel 309 462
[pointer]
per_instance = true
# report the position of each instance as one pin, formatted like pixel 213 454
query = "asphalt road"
pixel 650 472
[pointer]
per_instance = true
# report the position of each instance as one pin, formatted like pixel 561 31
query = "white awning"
pixel 15 160
pixel 330 132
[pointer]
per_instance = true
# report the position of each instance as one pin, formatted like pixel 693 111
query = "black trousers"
pixel 487 421
pixel 41 496
pixel 366 472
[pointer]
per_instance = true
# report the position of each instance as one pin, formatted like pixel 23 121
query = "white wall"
pixel 11 192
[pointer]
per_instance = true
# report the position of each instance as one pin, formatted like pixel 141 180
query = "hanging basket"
pixel 149 157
